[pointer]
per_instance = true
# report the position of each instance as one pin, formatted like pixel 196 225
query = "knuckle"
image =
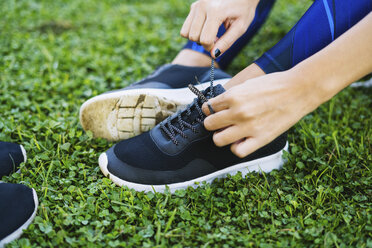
pixel 242 113
pixel 228 97
pixel 234 100
pixel 194 5
pixel 206 41
pixel 194 37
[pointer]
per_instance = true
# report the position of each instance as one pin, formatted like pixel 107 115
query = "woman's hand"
pixel 206 16
pixel 252 114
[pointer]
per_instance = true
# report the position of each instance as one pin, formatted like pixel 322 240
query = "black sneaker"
pixel 11 156
pixel 127 112
pixel 180 152
pixel 18 205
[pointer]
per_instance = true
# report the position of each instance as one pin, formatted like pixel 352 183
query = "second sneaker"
pixel 127 112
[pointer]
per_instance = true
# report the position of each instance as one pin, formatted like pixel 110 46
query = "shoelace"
pixel 170 130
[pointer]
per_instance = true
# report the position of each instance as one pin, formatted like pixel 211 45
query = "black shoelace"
pixel 171 130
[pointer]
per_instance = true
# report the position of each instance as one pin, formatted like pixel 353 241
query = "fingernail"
pixel 217 53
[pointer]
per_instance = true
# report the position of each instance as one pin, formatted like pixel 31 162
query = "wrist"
pixel 321 82
pixel 251 71
pixel 308 91
pixel 317 82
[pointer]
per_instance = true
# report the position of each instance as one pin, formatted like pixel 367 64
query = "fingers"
pixel 201 25
pixel 218 120
pixel 197 25
pixel 187 24
pixel 245 147
pixel 209 32
pixel 233 33
pixel 193 25
pixel 218 103
pixel 206 16
pixel 227 136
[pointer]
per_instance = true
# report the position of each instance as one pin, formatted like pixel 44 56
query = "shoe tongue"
pixel 217 90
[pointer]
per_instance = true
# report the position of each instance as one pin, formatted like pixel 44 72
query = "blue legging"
pixel 324 21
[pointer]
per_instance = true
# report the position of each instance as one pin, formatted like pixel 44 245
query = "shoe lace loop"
pixel 171 129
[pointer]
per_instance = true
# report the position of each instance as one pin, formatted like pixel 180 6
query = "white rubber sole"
pixel 17 233
pixel 24 153
pixel 24 157
pixel 366 84
pixel 123 114
pixel 266 164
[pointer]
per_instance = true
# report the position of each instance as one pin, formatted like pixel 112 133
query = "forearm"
pixel 253 113
pixel 339 64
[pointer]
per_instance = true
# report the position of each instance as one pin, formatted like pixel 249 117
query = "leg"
pixel 320 25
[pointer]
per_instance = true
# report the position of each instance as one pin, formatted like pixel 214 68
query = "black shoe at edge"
pixel 18 206
pixel 11 156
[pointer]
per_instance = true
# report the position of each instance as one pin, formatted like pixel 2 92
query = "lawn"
pixel 56 54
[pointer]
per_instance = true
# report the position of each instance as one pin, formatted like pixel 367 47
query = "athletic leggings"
pixel 322 23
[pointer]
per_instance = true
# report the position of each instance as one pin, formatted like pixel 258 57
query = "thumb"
pixel 236 29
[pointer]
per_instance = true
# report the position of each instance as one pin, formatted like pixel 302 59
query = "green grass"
pixel 56 54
